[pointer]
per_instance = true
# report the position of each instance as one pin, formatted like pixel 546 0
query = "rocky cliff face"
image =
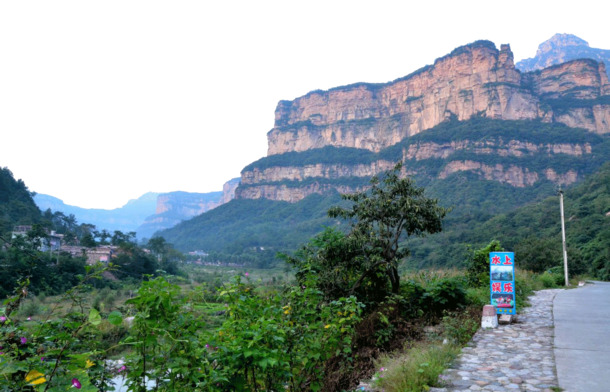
pixel 293 183
pixel 474 81
pixel 228 190
pixel 174 207
pixel 187 204
pixel 562 48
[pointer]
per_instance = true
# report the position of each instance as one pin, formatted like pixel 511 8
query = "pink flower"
pixel 247 274
pixel 29 319
pixel 24 340
pixel 2 318
pixel 122 368
pixel 76 383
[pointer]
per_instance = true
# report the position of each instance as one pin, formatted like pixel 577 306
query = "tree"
pixel 119 238
pixel 158 246
pixel 382 217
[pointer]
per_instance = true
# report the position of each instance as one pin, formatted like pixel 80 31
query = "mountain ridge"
pixel 561 48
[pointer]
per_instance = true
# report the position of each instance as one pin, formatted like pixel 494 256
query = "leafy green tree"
pixel 119 237
pixel 382 217
pixel 103 235
pixel 88 241
pixel 157 245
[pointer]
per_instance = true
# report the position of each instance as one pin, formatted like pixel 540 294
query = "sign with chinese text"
pixel 502 281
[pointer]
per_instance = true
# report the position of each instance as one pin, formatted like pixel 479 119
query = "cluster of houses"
pixel 54 243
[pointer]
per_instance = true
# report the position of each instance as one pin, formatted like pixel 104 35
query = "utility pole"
pixel 563 239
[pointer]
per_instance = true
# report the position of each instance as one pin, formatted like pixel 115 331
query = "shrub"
pixel 478 264
pixel 444 294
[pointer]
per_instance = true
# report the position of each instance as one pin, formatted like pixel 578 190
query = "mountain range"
pixel 478 133
pixel 482 134
pixel 147 214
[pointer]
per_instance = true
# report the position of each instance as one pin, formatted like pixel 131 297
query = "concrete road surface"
pixel 582 338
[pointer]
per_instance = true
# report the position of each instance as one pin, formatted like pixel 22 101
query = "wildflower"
pixel 327 326
pixel 89 364
pixel 207 346
pixel 122 368
pixel 247 274
pixel 29 319
pixel 2 318
pixel 24 340
pixel 1 353
pixel 76 384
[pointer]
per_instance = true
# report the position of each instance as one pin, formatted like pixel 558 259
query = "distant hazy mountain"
pixel 147 214
pixel 175 207
pixel 561 48
pixel 127 218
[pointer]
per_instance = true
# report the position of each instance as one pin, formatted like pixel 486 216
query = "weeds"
pixel 415 370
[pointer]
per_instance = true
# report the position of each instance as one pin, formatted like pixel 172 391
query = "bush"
pixel 478 264
pixel 444 294
pixel 550 280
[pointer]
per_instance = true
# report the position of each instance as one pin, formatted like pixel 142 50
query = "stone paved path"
pixel 514 357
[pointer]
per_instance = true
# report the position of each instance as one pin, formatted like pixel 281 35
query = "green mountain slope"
pixel 253 231
pixel 534 232
pixel 16 203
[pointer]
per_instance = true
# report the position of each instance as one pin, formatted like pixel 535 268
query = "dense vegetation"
pixel 55 272
pixel 16 204
pixel 253 231
pixel 316 333
pixel 534 232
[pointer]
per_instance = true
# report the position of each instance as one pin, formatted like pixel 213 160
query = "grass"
pixel 415 370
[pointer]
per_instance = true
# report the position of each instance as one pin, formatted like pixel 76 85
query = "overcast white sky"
pixel 103 101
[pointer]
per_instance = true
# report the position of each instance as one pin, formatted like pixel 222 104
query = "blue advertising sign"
pixel 502 282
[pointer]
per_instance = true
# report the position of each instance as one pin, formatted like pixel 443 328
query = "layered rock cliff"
pixel 476 81
pixel 473 80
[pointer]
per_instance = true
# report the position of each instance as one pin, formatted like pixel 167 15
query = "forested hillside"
pixel 16 203
pixel 534 232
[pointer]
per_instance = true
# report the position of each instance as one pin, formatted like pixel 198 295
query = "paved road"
pixel 582 338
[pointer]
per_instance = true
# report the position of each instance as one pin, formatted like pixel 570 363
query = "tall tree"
pixel 381 217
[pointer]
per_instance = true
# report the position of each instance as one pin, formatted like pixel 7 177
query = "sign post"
pixel 502 282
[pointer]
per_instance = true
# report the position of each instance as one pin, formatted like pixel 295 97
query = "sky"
pixel 103 101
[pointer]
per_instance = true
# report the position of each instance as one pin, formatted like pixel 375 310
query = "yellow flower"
pixel 34 377
pixel 89 364
pixel 327 326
